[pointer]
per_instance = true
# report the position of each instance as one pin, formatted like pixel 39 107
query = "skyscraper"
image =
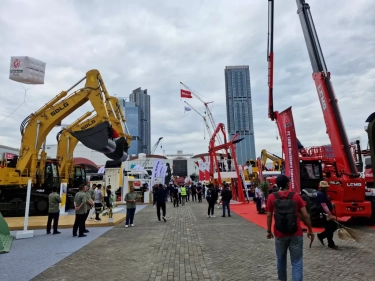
pixel 239 110
pixel 141 99
pixel 133 122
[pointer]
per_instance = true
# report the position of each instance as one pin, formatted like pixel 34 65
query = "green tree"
pixel 194 177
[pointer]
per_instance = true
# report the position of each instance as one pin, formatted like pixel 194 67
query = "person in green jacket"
pixel 54 201
pixel 80 206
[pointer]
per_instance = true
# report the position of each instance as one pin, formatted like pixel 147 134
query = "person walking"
pixel 160 199
pixel 286 207
pixel 183 194
pixel 326 208
pixel 98 202
pixel 108 201
pixel 171 189
pixel 199 192
pixel 90 193
pixel 193 193
pixel 130 198
pixel 175 196
pixel 54 201
pixel 80 206
pixel 226 196
pixel 90 202
pixel 211 197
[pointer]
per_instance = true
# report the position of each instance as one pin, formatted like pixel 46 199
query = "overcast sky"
pixel 157 44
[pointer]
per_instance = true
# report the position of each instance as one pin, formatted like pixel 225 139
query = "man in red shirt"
pixel 287 228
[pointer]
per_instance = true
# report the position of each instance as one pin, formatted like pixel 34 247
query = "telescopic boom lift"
pixel 351 195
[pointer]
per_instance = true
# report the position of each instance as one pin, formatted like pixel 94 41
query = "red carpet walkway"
pixel 249 212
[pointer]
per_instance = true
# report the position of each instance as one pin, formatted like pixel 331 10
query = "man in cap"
pixel 286 207
pixel 326 208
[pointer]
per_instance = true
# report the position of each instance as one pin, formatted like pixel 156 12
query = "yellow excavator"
pixel 251 172
pixel 277 162
pixel 74 175
pixel 14 174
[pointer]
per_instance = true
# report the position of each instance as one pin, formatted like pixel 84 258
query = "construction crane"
pixel 152 152
pixel 208 112
pixel 204 119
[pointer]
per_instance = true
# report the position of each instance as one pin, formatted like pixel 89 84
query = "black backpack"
pixel 285 214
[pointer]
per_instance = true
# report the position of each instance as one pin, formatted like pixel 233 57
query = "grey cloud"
pixel 155 45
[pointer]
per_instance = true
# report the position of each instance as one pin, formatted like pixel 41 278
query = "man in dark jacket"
pixel 326 208
pixel 211 197
pixel 226 196
pixel 160 199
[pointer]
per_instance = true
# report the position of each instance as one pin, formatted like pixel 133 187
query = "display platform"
pixel 40 222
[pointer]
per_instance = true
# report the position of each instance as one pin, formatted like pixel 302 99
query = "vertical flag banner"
pixel 289 143
pixel 186 94
pixel 63 189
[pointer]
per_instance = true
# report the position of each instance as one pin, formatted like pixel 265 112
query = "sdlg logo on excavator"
pixel 60 108
pixel 88 125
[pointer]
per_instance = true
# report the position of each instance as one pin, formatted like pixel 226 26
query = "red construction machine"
pixel 216 175
pixel 348 194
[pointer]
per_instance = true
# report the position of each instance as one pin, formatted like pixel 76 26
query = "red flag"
pixel 186 94
pixel 288 137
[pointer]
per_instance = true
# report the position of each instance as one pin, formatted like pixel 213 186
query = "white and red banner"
pixel 186 94
pixel 285 124
pixel 201 170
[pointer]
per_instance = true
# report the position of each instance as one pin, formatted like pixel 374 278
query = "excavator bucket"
pixel 99 138
pixel 120 150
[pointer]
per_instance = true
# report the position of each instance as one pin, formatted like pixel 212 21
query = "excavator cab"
pixel 79 176
pixel 311 173
pixel 51 176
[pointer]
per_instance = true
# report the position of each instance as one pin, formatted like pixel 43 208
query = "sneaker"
pixel 213 216
pixel 334 247
pixel 49 232
pixel 126 225
pixel 90 219
pixel 83 235
pixel 132 225
pixel 164 219
pixel 223 216
pixel 57 232
pixel 208 216
pixel 86 231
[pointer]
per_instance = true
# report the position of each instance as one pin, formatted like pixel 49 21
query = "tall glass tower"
pixel 142 100
pixel 133 122
pixel 240 111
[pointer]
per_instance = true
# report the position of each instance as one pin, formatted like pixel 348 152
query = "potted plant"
pixel 263 186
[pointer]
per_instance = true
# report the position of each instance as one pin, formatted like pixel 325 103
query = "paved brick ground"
pixel 191 246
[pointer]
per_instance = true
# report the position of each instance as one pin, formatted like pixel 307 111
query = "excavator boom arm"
pixel 37 126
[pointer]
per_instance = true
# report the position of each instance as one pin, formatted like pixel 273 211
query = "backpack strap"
pixel 277 195
pixel 290 195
